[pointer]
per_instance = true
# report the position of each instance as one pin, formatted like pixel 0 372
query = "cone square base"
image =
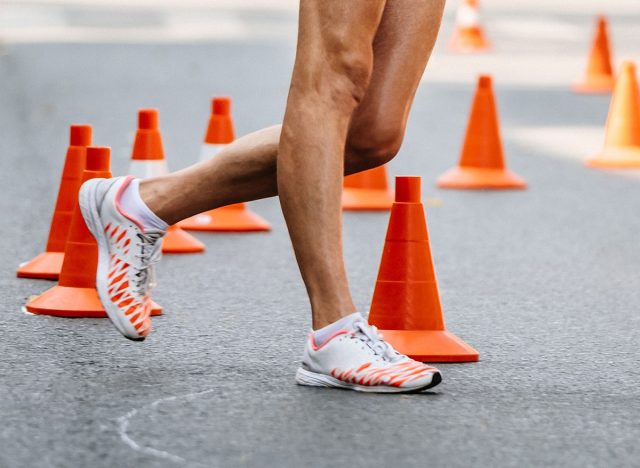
pixel 616 158
pixel 178 241
pixel 63 301
pixel 431 345
pixel 473 178
pixel 47 265
pixel 595 85
pixel 226 221
pixel 354 199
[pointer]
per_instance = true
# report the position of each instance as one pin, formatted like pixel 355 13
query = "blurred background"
pixel 536 44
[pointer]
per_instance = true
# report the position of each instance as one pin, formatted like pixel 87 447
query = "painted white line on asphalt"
pixel 568 142
pixel 576 142
pixel 124 420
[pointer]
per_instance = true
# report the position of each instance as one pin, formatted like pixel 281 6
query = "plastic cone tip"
pixel 601 20
pixel 148 119
pixel 80 135
pixel 408 189
pixel 98 158
pixel 485 81
pixel 221 105
pixel 220 127
pixel 147 145
pixel 628 67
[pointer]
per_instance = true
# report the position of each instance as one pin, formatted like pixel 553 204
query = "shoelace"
pixel 370 336
pixel 150 254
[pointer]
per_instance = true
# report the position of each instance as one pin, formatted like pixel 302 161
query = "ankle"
pixel 132 203
pixel 325 317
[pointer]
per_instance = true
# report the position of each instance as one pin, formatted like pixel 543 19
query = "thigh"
pixel 334 36
pixel 401 48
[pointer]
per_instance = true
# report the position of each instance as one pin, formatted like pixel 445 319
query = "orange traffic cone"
pixel 232 218
pixel 48 264
pixel 482 163
pixel 75 295
pixel 147 160
pixel 622 138
pixel 367 191
pixel 147 155
pixel 468 35
pixel 406 304
pixel 599 74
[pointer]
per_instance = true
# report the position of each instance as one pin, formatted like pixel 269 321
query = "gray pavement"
pixel 544 283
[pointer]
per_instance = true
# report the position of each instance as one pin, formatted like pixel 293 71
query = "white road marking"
pixel 124 420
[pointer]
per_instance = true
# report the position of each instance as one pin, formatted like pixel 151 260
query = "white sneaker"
pixel 357 358
pixel 126 255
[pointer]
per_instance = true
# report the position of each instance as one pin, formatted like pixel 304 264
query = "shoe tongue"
pixel 348 322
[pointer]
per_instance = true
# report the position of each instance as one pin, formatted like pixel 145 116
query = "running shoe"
pixel 357 358
pixel 126 255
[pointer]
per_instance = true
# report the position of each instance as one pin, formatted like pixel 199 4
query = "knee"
pixel 336 76
pixel 350 71
pixel 374 147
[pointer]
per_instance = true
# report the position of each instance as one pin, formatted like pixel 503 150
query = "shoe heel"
pixel 305 377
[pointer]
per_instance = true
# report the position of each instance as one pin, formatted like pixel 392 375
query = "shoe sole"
pixel 87 199
pixel 313 379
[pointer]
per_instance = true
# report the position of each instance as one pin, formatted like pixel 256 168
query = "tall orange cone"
pixel 622 138
pixel 147 160
pixel 482 164
pixel 468 35
pixel 367 191
pixel 598 77
pixel 232 218
pixel 75 295
pixel 48 264
pixel 406 303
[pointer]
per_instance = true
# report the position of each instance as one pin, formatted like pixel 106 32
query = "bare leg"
pixel 334 60
pixel 246 169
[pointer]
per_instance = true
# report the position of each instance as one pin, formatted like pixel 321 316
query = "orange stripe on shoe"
pixel 125 302
pixel 117 297
pixel 119 277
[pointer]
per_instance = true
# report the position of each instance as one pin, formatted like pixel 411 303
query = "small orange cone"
pixel 48 264
pixel 75 295
pixel 599 74
pixel 406 303
pixel 622 138
pixel 147 160
pixel 147 155
pixel 469 35
pixel 232 218
pixel 367 191
pixel 482 163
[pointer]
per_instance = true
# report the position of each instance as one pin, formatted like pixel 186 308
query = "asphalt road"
pixel 544 283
